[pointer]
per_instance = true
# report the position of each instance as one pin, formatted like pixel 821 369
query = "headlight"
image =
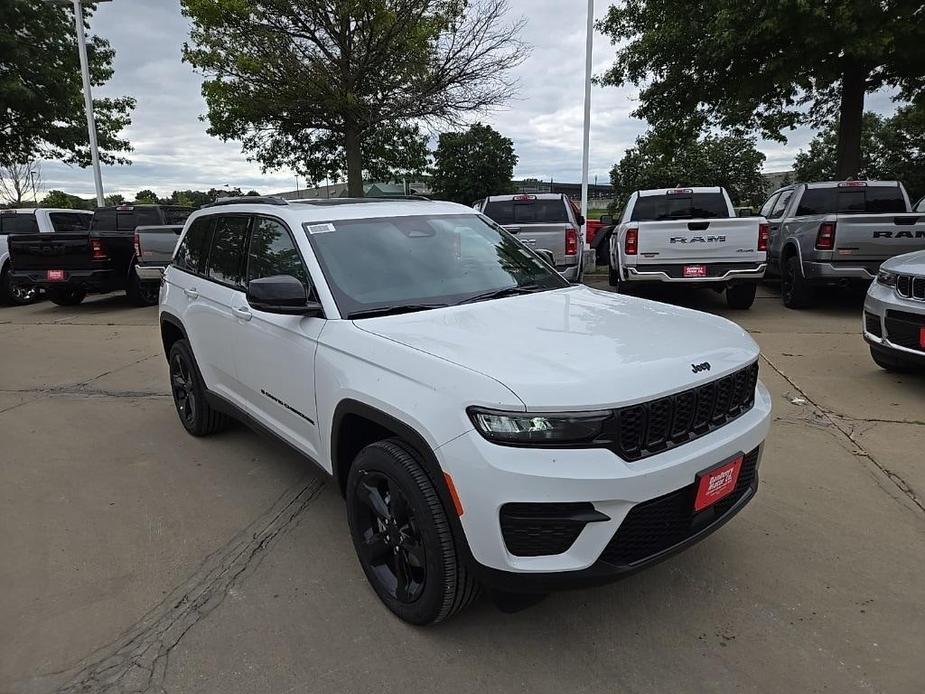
pixel 538 429
pixel 886 278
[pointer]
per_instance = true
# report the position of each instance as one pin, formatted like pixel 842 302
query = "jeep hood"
pixel 576 347
pixel 912 263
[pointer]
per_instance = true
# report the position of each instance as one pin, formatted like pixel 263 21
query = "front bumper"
pixel 719 272
pixel 149 273
pixel 877 329
pixel 488 476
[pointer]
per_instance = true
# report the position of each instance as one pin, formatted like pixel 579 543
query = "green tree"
pixel 190 198
pixel 114 199
pixel 765 67
pixel 471 164
pixel 252 193
pixel 891 149
pixel 41 95
pixel 146 196
pixel 333 88
pixel 60 199
pixel 660 160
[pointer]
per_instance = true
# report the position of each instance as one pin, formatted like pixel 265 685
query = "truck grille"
pixel 649 428
pixel 911 287
pixel 659 524
pixel 905 329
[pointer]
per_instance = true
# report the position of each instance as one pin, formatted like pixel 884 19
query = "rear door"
pixel 275 354
pixel 537 222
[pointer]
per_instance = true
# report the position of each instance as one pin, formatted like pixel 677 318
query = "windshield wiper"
pixel 393 310
pixel 506 291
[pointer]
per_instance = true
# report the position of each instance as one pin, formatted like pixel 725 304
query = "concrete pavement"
pixel 137 558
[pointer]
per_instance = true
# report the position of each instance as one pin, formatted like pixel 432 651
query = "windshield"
pixel 423 261
pixel 652 208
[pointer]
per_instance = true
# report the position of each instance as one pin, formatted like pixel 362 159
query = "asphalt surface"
pixel 135 558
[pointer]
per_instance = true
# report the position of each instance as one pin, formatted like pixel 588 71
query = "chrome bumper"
pixel 823 271
pixel 633 274
pixel 149 273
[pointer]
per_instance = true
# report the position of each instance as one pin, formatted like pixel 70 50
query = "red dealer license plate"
pixel 55 275
pixel 922 337
pixel 694 271
pixel 718 482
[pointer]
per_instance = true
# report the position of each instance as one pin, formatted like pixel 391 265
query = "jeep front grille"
pixel 911 287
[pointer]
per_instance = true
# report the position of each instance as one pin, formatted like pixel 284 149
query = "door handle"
pixel 191 293
pixel 243 313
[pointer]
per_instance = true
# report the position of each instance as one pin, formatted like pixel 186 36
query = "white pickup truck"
pixel 689 235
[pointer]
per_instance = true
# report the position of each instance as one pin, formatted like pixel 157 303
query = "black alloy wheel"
pixel 197 416
pixel 391 540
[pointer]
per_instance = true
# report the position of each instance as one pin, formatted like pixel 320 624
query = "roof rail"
pixel 247 200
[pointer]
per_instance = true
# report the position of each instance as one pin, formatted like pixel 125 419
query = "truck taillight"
pixel 631 241
pixel 97 250
pixel 825 237
pixel 137 245
pixel 571 241
pixel 763 232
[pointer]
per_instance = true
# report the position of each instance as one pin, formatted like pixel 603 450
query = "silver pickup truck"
pixel 543 221
pixel 837 233
pixel 154 247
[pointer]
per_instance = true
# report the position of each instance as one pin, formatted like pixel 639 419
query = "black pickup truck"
pixel 68 266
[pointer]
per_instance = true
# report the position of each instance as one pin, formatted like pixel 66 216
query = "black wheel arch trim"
pixel 416 441
pixel 173 321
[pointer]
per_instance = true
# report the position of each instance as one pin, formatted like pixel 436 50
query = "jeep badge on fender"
pixel 702 366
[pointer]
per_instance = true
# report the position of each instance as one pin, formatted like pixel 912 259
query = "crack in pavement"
pixel 85 391
pixel 834 421
pixel 137 660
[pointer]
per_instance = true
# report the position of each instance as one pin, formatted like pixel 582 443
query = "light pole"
pixel 88 97
pixel 35 196
pixel 587 125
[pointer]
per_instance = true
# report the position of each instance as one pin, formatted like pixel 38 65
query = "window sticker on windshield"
pixel 319 228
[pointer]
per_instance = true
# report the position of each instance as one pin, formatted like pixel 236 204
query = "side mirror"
pixel 546 255
pixel 282 294
pixel 607 220
pixel 580 220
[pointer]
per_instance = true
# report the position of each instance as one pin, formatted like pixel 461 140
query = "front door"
pixel 275 354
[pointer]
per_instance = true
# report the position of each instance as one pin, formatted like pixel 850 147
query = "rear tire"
pixel 142 293
pixel 402 536
pixel 189 394
pixel 66 296
pixel 741 296
pixel 13 295
pixel 796 292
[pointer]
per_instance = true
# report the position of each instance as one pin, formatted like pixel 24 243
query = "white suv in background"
pixel 439 370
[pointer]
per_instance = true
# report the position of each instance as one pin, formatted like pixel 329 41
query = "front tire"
pixel 741 296
pixel 66 296
pixel 796 292
pixel 189 394
pixel 402 536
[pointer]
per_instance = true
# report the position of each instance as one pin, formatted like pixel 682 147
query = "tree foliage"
pixel 146 196
pixel 662 161
pixel 333 88
pixel 891 149
pixel 41 95
pixel 60 199
pixel 757 66
pixel 474 163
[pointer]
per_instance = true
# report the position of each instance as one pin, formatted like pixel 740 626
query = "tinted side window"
pixel 272 252
pixel 69 221
pixel 781 204
pixel 18 224
pixel 140 216
pixel 766 208
pixel 194 248
pixel 227 253
pixel 103 220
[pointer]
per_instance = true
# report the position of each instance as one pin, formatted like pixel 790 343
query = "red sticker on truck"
pixel 717 483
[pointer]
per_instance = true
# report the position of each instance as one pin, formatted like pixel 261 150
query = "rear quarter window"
pixel 18 224
pixel 193 249
pixel 527 211
pixel 69 221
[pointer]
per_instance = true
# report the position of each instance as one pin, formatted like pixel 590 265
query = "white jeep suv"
pixel 451 383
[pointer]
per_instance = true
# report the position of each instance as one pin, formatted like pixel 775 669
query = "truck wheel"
pixel 795 290
pixel 189 394
pixel 613 278
pixel 741 296
pixel 12 294
pixel 142 293
pixel 66 296
pixel 402 536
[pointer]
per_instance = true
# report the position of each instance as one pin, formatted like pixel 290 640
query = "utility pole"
pixel 88 101
pixel 587 124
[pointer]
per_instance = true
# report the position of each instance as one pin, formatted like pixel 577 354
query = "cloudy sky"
pixel 173 151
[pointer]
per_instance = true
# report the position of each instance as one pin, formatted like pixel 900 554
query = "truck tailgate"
pixel 549 236
pixel 700 240
pixel 69 251
pixel 878 236
pixel 156 244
